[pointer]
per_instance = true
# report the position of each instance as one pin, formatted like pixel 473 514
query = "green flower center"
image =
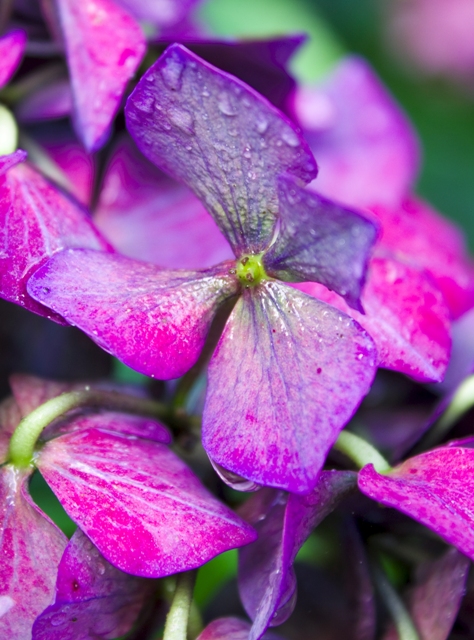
pixel 250 270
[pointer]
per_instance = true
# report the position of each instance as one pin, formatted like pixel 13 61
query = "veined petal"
pixel 104 47
pixel 231 629
pixel 138 502
pixel 435 488
pixel 36 220
pixel 31 547
pixel 406 315
pixel 320 241
pixel 9 161
pixel 12 46
pixel 222 139
pixel 288 373
pixel 155 321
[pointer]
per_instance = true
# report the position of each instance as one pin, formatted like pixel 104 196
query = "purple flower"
pixel 12 47
pixel 288 371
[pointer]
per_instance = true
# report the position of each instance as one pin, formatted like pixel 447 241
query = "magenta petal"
pixel 141 506
pixel 283 522
pixel 148 216
pixel 12 47
pixel 320 241
pixel 406 315
pixel 230 629
pixel 104 46
pixel 436 596
pixel 288 373
pixel 162 13
pixel 435 488
pixel 9 161
pixel 222 139
pixel 93 598
pixel 366 149
pixel 53 100
pixel 37 220
pixel 31 547
pixel 155 321
pixel 120 423
pixel 30 392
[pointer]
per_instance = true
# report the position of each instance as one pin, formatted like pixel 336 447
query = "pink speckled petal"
pixel 139 504
pixel 420 236
pixel 434 488
pixel 93 598
pixel 31 547
pixel 221 138
pixel 320 241
pixel 104 47
pixel 148 216
pixel 10 416
pixel 30 392
pixel 267 583
pixel 288 373
pixel 231 629
pixel 406 315
pixel 155 321
pixel 36 220
pixel 6 162
pixel 12 47
pixel 162 13
pixel 436 596
pixel 366 149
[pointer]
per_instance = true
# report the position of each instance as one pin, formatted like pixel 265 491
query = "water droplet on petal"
pixel 101 569
pixel 182 119
pixel 225 104
pixel 172 73
pixel 290 138
pixel 262 125
pixel 59 618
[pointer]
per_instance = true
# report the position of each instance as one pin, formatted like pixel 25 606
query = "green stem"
pixel 360 451
pixel 23 441
pixel 176 626
pixel 403 623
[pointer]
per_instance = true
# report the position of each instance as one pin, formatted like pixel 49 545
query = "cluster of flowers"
pixel 199 244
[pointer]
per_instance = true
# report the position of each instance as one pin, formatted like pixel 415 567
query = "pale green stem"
pixel 176 626
pixel 403 623
pixel 360 451
pixel 23 441
pixel 8 132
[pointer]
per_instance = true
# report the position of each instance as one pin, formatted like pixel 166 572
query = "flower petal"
pixel 93 598
pixel 406 315
pixel 12 46
pixel 434 488
pixel 164 13
pixel 37 220
pixel 141 506
pixel 6 162
pixel 288 373
pixel 48 102
pixel 155 321
pixel 283 522
pixel 104 47
pixel 222 139
pixel 31 547
pixel 320 241
pixel 231 629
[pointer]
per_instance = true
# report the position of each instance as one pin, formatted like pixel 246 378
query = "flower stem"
pixel 360 451
pixel 176 626
pixel 404 624
pixel 23 441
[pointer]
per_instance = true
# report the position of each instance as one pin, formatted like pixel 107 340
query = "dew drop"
pixel 101 569
pixel 182 119
pixel 262 126
pixel 290 138
pixel 247 153
pixel 225 105
pixel 172 73
pixel 58 619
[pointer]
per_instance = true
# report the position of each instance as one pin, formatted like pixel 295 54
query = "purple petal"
pixel 434 488
pixel 288 373
pixel 222 139
pixel 406 315
pixel 104 47
pixel 51 101
pixel 148 216
pixel 93 598
pixel 320 241
pixel 164 13
pixel 367 150
pixel 436 596
pixel 155 321
pixel 233 480
pixel 10 416
pixel 9 161
pixel 31 547
pixel 30 392
pixel 230 629
pixel 141 506
pixel 12 47
pixel 37 220
pixel 283 522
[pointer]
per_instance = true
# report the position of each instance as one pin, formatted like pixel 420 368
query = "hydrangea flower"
pixel 288 371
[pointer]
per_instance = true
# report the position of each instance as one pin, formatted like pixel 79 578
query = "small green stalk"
pixel 23 441
pixel 360 451
pixel 176 626
pixel 8 132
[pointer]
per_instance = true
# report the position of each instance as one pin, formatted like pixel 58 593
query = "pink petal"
pixel 51 101
pixel 12 47
pixel 405 314
pixel 288 373
pixel 104 46
pixel 162 13
pixel 155 321
pixel 37 220
pixel 435 488
pixel 141 506
pixel 6 162
pixel 31 547
pixel 231 629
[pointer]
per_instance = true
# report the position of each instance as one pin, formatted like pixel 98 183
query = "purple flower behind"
pixel 12 46
pixel 231 629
